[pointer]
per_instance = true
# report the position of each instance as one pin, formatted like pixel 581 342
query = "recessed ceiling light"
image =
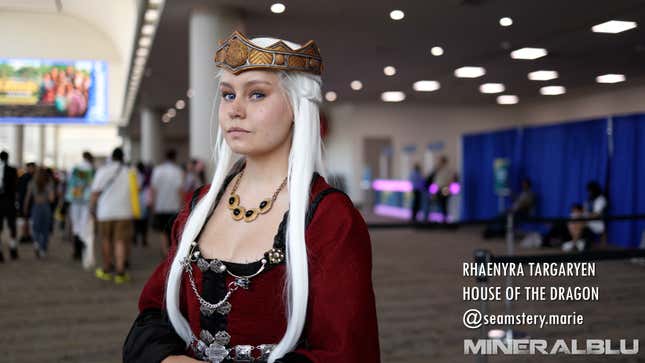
pixel 151 15
pixel 528 53
pixel 278 8
pixel 397 15
pixel 145 42
pixel 331 96
pixel 180 104
pixel 389 71
pixel 190 93
pixel 356 85
pixel 426 86
pixel 613 26
pixel 392 96
pixel 171 112
pixel 147 29
pixel 469 72
pixel 543 75
pixel 140 60
pixel 492 88
pixel 610 78
pixel 165 118
pixel 505 21
pixel 552 90
pixel 436 51
pixel 507 99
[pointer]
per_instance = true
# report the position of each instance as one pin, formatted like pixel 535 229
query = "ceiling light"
pixel 389 71
pixel 610 78
pixel 172 112
pixel 147 29
pixel 165 118
pixel 331 96
pixel 143 52
pixel 492 88
pixel 506 21
pixel 155 2
pixel 356 85
pixel 426 86
pixel 180 104
pixel 278 8
pixel 543 75
pixel 151 16
pixel 613 26
pixel 145 42
pixel 469 72
pixel 392 96
pixel 528 53
pixel 507 99
pixel 397 15
pixel 190 93
pixel 552 90
pixel 436 51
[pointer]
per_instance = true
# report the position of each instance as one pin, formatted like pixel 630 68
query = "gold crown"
pixel 238 54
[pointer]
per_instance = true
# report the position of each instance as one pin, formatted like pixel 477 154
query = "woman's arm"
pixel 152 338
pixel 341 322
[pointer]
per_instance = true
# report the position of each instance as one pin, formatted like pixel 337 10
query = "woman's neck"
pixel 267 169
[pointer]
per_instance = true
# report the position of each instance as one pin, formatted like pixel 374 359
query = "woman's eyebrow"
pixel 251 82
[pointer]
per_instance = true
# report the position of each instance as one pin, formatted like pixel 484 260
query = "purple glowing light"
pixel 405 213
pixel 386 185
pixel 455 188
pixel 433 189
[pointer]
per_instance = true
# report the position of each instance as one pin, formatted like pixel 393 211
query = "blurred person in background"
pixel 42 192
pixel 110 205
pixel 418 186
pixel 8 185
pixel 166 183
pixel 442 176
pixel 24 203
pixel 194 178
pixel 78 192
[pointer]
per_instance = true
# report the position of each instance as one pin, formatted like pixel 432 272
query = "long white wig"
pixel 303 92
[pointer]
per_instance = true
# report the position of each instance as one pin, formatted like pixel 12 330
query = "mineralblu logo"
pixel 540 346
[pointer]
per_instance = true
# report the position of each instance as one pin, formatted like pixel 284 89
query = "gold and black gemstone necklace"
pixel 249 215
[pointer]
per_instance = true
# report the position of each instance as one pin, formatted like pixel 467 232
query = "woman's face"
pixel 254 112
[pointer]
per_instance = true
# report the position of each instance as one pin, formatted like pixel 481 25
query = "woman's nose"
pixel 237 109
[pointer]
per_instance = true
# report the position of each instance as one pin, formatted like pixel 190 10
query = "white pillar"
pixel 56 142
pixel 19 141
pixel 41 145
pixel 150 137
pixel 207 26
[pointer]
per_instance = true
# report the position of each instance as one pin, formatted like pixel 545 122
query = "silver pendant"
pixel 215 353
pixel 243 353
pixel 243 282
pixel 225 308
pixel 206 310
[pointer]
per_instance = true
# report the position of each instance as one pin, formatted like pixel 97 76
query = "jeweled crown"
pixel 238 54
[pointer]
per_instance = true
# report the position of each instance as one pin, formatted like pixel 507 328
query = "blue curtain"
pixel 627 172
pixel 560 160
pixel 479 151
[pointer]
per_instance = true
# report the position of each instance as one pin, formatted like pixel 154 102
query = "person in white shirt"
pixel 111 205
pixel 166 187
pixel 593 230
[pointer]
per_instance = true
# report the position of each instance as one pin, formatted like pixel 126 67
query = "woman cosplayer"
pixel 306 295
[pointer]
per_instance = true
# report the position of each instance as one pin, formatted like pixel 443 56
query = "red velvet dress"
pixel 341 323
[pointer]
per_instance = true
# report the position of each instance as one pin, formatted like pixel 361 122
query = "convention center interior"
pixel 484 156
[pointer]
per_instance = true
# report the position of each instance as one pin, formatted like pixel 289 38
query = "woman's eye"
pixel 228 96
pixel 257 95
